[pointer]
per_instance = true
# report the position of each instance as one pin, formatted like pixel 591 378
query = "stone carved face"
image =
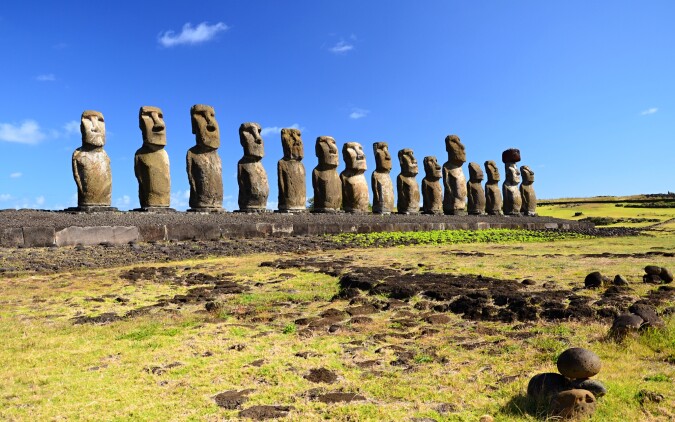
pixel 382 157
pixel 250 139
pixel 327 152
pixel 151 122
pixel 408 162
pixel 92 127
pixel 475 172
pixel 528 175
pixel 291 141
pixel 492 171
pixel 455 148
pixel 512 173
pixel 205 126
pixel 432 169
pixel 355 159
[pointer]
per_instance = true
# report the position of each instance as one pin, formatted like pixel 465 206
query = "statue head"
pixel 327 152
pixel 382 157
pixel 92 127
pixel 455 148
pixel 512 173
pixel 205 126
pixel 151 122
pixel 250 139
pixel 475 172
pixel 492 171
pixel 528 175
pixel 408 163
pixel 355 160
pixel 432 170
pixel 291 141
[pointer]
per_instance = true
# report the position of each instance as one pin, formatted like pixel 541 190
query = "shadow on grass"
pixel 520 405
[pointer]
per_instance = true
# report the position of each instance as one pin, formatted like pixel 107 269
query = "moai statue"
pixel 91 166
pixel 454 197
pixel 475 190
pixel 383 188
pixel 251 176
pixel 354 186
pixel 406 184
pixel 529 206
pixel 493 195
pixel 291 173
pixel 204 167
pixel 432 192
pixel 510 190
pixel 325 179
pixel 151 162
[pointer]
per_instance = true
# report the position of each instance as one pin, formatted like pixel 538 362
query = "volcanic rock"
pixel 573 404
pixel 578 362
pixel 542 386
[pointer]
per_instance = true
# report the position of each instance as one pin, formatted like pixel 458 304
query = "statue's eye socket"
pixel 161 116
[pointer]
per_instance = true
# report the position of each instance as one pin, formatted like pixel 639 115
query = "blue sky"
pixel 586 90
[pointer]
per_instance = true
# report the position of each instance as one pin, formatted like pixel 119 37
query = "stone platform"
pixel 35 228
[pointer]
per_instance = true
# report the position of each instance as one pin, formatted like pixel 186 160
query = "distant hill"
pixel 649 197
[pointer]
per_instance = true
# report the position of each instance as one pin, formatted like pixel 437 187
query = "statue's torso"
pixel 95 178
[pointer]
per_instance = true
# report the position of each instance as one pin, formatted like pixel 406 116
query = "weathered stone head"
pixel 455 148
pixel 327 152
pixel 432 170
pixel 511 155
pixel 492 171
pixel 382 157
pixel 355 159
pixel 408 163
pixel 205 126
pixel 512 174
pixel 92 127
pixel 291 142
pixel 151 122
pixel 475 172
pixel 251 140
pixel 528 175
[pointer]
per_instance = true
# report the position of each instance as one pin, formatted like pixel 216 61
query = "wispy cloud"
pixel 180 199
pixel 28 132
pixel 71 128
pixel 123 202
pixel 358 113
pixel 191 35
pixel 47 77
pixel 4 197
pixel 277 129
pixel 341 47
pixel 649 111
pixel 15 175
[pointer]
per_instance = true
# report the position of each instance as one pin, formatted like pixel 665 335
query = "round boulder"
pixel 594 386
pixel 648 314
pixel 666 275
pixel 578 362
pixel 573 404
pixel 652 278
pixel 542 386
pixel 653 270
pixel 624 325
pixel 511 155
pixel 620 280
pixel 593 280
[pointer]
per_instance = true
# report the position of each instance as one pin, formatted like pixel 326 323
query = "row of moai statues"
pixel 333 192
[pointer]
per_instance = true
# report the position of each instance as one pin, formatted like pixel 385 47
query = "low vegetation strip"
pixel 442 237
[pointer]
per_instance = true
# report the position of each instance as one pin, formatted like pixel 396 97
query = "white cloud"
pixel 189 35
pixel 341 47
pixel 40 200
pixel 48 77
pixel 5 197
pixel 15 175
pixel 28 132
pixel 71 128
pixel 123 202
pixel 179 199
pixel 358 113
pixel 649 111
pixel 277 129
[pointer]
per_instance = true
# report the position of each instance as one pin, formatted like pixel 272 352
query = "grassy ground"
pixel 168 364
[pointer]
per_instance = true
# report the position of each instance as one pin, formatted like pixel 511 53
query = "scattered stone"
pixel 578 362
pixel 652 396
pixel 361 320
pixel 437 319
pixel 486 418
pixel 232 399
pixel 653 270
pixel 594 280
pixel 666 275
pixel 624 325
pixel 321 375
pixel 265 412
pixel 257 363
pixel 652 278
pixel 542 386
pixel 338 397
pixel 104 318
pixel 594 386
pixel 620 280
pixel 361 310
pixel 528 282
pixel 573 404
pixel 648 314
pixel 445 408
